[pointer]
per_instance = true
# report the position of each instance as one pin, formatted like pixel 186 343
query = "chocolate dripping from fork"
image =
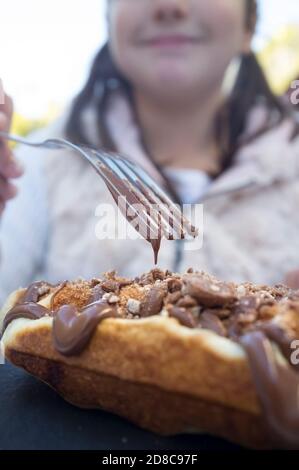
pixel 119 187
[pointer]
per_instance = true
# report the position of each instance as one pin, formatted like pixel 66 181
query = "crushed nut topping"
pixel 194 299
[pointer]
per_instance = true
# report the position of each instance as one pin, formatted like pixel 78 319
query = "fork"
pixel 131 184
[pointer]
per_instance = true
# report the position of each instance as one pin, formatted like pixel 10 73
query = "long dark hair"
pixel 251 86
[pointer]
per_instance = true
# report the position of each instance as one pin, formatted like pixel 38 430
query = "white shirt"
pixel 189 184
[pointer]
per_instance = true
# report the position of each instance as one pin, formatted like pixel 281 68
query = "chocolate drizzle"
pixel 35 291
pixel 121 189
pixel 28 310
pixel 277 387
pixel 156 243
pixel 27 306
pixel 72 330
pixel 136 203
pixel 280 337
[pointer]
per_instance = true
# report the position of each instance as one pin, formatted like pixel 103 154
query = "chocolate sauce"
pixel 35 291
pixel 27 306
pixel 59 288
pixel 277 387
pixel 121 188
pixel 28 310
pixel 156 244
pixel 73 329
pixel 279 336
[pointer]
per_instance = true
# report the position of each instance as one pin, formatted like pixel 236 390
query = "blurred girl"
pixel 159 91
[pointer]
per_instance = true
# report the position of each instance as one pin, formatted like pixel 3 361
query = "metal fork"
pixel 158 216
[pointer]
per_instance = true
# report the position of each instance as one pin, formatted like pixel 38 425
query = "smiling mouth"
pixel 174 40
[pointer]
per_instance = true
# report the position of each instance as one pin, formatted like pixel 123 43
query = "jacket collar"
pixel 268 159
pixel 126 135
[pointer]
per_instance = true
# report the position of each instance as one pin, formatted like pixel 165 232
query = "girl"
pixel 156 92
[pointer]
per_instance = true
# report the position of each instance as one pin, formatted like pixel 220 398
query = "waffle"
pixel 172 353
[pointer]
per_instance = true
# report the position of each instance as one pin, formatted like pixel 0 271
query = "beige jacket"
pixel 251 219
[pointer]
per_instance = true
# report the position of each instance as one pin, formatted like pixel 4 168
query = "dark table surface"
pixel 33 416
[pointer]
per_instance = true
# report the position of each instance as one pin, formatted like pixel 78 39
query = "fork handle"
pixel 50 143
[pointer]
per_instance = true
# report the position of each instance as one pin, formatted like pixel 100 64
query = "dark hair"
pixel 251 86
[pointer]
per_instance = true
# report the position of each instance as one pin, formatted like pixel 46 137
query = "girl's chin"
pixel 173 73
pixel 175 82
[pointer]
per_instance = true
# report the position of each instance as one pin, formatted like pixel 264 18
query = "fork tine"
pixel 144 216
pixel 155 190
pixel 161 219
pixel 109 168
pixel 165 214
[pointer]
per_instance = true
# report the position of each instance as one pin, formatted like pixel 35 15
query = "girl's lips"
pixel 171 41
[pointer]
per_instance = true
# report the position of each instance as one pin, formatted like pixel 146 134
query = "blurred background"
pixel 46 48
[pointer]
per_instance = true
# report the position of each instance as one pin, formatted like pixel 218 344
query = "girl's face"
pixel 174 48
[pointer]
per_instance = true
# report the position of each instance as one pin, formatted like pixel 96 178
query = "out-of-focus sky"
pixel 46 46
